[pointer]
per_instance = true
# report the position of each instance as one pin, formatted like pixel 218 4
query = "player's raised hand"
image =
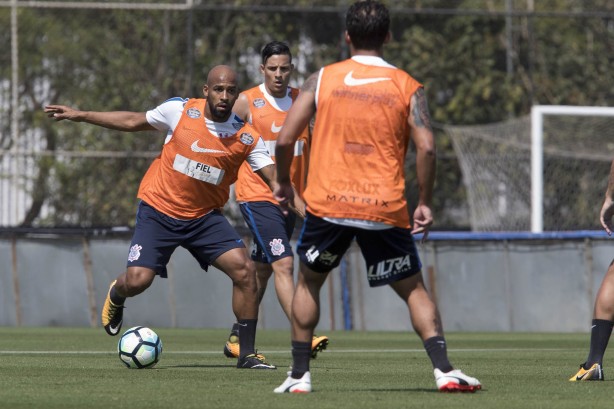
pixel 607 212
pixel 60 112
pixel 423 219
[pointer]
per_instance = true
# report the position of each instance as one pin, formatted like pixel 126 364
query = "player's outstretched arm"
pixel 118 120
pixel 419 121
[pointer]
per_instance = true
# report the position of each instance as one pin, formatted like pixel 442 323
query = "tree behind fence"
pixel 478 65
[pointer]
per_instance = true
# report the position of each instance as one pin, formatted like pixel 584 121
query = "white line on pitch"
pixel 334 351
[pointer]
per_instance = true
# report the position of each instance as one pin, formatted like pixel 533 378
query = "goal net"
pixel 561 189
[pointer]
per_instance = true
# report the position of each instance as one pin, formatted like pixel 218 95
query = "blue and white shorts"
pixel 271 230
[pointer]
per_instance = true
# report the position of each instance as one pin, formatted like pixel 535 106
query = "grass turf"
pixel 79 368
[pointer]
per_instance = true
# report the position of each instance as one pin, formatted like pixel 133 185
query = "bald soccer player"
pixel 182 193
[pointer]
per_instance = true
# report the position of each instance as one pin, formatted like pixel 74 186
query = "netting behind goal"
pixel 496 163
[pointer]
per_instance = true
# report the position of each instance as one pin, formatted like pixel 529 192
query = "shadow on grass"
pixel 196 366
pixel 386 390
pixel 428 390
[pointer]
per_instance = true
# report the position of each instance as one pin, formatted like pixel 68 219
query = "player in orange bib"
pixel 265 107
pixel 367 113
pixel 182 194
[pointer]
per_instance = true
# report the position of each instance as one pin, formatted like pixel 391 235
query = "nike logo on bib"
pixel 350 81
pixel 196 148
pixel 275 129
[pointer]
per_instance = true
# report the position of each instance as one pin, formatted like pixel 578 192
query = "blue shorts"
pixel 391 255
pixel 156 236
pixel 271 230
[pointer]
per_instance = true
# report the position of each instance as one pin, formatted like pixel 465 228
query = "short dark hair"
pixel 367 23
pixel 275 48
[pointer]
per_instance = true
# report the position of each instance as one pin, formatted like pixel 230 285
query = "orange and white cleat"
pixel 456 381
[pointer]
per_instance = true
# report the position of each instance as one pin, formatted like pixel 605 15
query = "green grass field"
pixel 79 368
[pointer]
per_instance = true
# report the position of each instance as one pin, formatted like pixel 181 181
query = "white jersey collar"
pixel 281 104
pixel 372 60
pixel 225 129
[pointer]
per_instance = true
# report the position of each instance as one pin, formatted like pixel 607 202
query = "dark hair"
pixel 275 48
pixel 367 23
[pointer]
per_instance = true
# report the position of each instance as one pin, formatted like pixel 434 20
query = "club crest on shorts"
pixel 193 113
pixel 277 247
pixel 135 252
pixel 246 138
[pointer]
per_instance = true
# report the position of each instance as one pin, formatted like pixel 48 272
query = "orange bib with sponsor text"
pixel 268 120
pixel 359 142
pixel 193 173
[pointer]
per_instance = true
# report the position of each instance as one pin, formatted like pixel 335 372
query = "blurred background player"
pixel 603 313
pixel 182 194
pixel 265 107
pixel 367 112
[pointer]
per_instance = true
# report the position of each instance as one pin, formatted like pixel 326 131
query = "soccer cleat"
pixel 318 344
pixel 112 315
pixel 292 385
pixel 456 381
pixel 594 373
pixel 232 349
pixel 254 361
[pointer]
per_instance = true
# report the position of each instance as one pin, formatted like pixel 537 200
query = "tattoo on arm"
pixel 311 83
pixel 420 110
pixel 312 123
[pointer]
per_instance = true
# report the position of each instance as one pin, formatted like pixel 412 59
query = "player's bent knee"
pixel 604 308
pixel 284 266
pixel 243 274
pixel 137 280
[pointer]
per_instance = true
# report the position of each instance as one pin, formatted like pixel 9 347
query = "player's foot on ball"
pixel 112 314
pixel 292 385
pixel 456 381
pixel 254 361
pixel 318 344
pixel 594 373
pixel 232 349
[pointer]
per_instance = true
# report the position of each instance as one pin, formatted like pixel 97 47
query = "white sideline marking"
pixel 272 352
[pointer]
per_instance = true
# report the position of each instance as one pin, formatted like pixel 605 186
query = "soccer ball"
pixel 139 347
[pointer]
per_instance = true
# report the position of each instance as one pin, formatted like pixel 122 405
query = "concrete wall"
pixel 479 285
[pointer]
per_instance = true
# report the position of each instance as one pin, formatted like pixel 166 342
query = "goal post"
pixel 537 151
pixel 540 172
